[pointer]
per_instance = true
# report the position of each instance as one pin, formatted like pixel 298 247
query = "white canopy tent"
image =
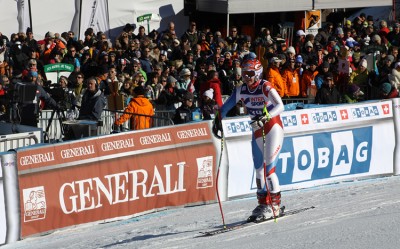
pixel 264 6
pixel 78 15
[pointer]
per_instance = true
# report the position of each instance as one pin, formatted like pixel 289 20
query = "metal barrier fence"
pixel 297 100
pixel 14 141
pixel 160 119
pixel 55 130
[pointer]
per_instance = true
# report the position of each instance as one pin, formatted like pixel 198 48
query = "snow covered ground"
pixel 359 214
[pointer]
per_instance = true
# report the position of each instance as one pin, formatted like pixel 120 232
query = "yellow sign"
pixel 312 21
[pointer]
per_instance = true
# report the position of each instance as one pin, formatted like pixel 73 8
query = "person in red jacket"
pixel 139 111
pixel 214 83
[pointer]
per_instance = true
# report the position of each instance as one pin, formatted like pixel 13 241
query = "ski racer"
pixel 264 106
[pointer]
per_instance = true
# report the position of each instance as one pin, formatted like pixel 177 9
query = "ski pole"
pixel 216 182
pixel 265 110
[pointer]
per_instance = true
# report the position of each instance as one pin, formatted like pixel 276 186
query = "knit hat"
pixel 364 63
pixel 209 93
pixel 300 32
pixel 299 59
pixel 376 38
pixel 171 79
pixel 238 71
pixel 185 71
pixel 32 74
pixel 188 96
pixel 390 58
pixel 291 50
pixel 339 31
pixel 386 88
pixel 353 88
pixel 309 44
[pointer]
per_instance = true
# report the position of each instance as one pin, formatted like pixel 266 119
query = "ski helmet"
pixel 252 67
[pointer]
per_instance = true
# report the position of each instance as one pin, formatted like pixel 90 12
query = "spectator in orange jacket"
pixel 291 79
pixel 139 111
pixel 308 85
pixel 274 76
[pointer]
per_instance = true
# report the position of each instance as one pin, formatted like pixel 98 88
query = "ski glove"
pixel 217 126
pixel 258 121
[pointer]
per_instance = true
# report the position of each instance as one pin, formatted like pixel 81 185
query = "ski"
pixel 246 224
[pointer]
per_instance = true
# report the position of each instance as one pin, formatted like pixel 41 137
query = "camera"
pixel 63 96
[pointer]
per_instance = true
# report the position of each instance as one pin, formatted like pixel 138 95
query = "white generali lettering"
pixel 36 158
pixel 122 187
pixel 192 133
pixel 78 151
pixel 154 139
pixel 119 144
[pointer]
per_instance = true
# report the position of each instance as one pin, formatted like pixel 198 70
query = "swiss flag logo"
pixel 304 119
pixel 344 115
pixel 385 108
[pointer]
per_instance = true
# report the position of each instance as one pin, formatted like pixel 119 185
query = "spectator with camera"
pixel 26 111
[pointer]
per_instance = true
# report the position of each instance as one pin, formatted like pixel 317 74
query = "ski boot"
pixel 263 210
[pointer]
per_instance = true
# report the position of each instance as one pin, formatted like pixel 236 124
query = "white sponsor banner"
pixel 23 15
pixel 238 134
pixel 95 16
pixel 325 145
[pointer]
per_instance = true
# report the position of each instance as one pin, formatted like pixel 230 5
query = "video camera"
pixel 23 93
pixel 63 96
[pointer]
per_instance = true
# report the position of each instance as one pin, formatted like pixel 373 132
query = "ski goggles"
pixel 249 74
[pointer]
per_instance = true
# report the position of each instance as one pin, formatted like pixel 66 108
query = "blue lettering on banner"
pixel 325 155
pixel 238 127
pixel 289 121
pixel 363 112
pixel 324 117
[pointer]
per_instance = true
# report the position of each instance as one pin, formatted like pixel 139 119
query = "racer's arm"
pixel 277 104
pixel 229 103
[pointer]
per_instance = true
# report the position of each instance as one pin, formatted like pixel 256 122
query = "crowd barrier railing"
pixel 55 130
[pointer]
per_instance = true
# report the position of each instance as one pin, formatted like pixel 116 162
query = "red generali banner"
pixel 113 176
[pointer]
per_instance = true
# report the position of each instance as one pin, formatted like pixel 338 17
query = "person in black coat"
pixel 184 113
pixel 328 94
pixel 93 102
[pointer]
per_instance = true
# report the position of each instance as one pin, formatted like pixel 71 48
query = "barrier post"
pixel 11 196
pixel 396 117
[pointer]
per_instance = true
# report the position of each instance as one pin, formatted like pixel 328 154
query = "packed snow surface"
pixel 353 214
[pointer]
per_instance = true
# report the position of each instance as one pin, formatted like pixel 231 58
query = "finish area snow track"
pixel 244 224
pixel 355 214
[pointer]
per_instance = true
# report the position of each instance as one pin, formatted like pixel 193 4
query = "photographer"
pixel 26 112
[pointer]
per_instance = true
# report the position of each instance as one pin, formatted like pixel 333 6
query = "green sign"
pixel 143 18
pixel 57 67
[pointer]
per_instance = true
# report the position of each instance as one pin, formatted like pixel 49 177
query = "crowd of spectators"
pixel 355 61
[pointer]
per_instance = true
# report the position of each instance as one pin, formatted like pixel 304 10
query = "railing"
pixel 55 131
pixel 15 141
pixel 160 119
pixel 297 100
pixel 141 121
